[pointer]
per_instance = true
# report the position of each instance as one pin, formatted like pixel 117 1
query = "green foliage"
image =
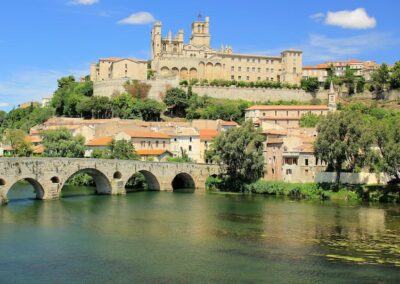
pixel 122 150
pixel 177 100
pixel 309 120
pixel 349 79
pixel 136 183
pixel 380 79
pixel 25 118
pixel 310 85
pixel 183 158
pixel 395 76
pixel 344 139
pixel 81 179
pixel 240 151
pixel 19 141
pixel 61 143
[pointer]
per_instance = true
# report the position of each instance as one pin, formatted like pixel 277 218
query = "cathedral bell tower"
pixel 201 32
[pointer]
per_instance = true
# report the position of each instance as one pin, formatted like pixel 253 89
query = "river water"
pixel 157 237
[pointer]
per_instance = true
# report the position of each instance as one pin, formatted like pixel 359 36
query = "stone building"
pixel 115 68
pixel 198 60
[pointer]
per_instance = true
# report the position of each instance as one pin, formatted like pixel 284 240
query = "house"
pixel 101 143
pixel 146 140
pixel 206 137
pixel 158 155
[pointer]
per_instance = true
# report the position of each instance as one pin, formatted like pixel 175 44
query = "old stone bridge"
pixel 48 175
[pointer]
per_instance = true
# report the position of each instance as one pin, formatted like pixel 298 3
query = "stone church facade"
pixel 197 60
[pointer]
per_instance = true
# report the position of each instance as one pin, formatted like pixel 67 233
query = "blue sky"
pixel 42 40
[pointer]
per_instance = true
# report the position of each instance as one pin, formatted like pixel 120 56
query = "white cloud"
pixel 31 84
pixel 83 2
pixel 319 48
pixel 356 19
pixel 317 16
pixel 139 18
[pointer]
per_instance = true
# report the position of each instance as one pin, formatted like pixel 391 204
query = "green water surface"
pixel 157 237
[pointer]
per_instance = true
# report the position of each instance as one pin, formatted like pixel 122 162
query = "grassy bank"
pixel 313 191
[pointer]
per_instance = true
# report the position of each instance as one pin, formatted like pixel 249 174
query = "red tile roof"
pixel 101 141
pixel 228 123
pixel 208 134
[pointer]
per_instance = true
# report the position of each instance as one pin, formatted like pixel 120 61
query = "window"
pixel 240 69
pixel 248 69
pixel 149 143
pixel 288 171
pixel 240 77
pixel 157 144
pixel 247 78
pixel 190 148
pixel 232 77
pixel 175 139
pixel 253 69
pixel 232 68
pixel 306 162
pixel 163 144
pixel 190 139
pixel 259 78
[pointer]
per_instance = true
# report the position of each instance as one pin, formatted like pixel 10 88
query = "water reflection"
pixel 200 237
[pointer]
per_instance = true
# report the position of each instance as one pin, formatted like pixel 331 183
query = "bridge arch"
pixel 183 181
pixel 38 189
pixel 152 182
pixel 103 184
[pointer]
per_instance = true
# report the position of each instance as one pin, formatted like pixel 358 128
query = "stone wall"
pixel 108 88
pixel 256 94
pixel 352 178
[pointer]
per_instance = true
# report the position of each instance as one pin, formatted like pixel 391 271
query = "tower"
pixel 201 33
pixel 332 98
pixel 156 39
pixel 292 65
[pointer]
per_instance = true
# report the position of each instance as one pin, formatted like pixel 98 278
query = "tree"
pixel 343 137
pixel 137 89
pixel 183 158
pixel 240 152
pixel 395 76
pixel 19 142
pixel 380 79
pixel 309 120
pixel 310 85
pixel 360 84
pixel 26 118
pixel 177 101
pixel 122 150
pixel 150 110
pixel 61 143
pixel 349 79
pixel 387 135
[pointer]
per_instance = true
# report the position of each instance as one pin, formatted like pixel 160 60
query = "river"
pixel 157 237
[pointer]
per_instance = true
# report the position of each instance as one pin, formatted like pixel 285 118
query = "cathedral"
pixel 197 60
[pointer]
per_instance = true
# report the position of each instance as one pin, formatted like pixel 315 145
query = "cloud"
pixel 319 48
pixel 317 16
pixel 139 18
pixel 356 19
pixel 83 2
pixel 31 84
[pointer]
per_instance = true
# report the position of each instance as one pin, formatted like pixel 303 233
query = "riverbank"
pixel 376 193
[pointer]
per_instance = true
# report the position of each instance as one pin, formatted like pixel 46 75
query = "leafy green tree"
pixel 25 118
pixel 349 80
pixel 19 142
pixel 177 101
pixel 240 152
pixel 395 76
pixel 344 139
pixel 122 107
pixel 150 110
pixel 360 84
pixel 61 143
pixel 183 158
pixel 387 134
pixel 123 150
pixel 310 85
pixel 380 79
pixel 309 120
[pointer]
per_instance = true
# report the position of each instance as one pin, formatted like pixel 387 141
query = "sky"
pixel 43 40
